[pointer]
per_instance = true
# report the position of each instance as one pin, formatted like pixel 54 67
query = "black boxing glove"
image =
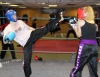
pixel 73 21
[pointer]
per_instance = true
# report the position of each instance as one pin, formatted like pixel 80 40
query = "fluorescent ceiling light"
pixel 41 3
pixel 52 5
pixel 45 7
pixel 22 7
pixel 4 3
pixel 13 5
pixel 98 4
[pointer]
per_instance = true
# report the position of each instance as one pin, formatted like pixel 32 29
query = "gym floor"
pixel 47 68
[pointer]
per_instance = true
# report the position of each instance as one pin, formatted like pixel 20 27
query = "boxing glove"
pixel 73 21
pixel 9 37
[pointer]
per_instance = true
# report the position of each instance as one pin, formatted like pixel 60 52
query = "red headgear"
pixel 80 13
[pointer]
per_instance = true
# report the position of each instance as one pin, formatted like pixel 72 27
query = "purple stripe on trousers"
pixel 83 41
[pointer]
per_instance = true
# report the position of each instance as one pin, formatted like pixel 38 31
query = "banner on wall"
pixel 49 10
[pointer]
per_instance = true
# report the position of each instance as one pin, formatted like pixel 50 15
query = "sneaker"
pixel 14 58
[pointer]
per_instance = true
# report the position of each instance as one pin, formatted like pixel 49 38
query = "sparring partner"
pixel 88 47
pixel 27 36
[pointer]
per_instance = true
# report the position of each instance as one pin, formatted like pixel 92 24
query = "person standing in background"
pixel 9 45
pixel 34 23
pixel 70 30
pixel 97 33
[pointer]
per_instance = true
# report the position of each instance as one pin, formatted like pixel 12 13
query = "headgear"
pixel 9 15
pixel 80 13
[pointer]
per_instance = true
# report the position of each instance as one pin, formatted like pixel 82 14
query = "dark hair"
pixel 35 19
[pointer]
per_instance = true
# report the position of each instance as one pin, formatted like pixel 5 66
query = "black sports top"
pixel 88 31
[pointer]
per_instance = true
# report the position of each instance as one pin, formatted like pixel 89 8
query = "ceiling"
pixel 59 3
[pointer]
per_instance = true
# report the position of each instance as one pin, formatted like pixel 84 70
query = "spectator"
pixel 10 45
pixel 34 23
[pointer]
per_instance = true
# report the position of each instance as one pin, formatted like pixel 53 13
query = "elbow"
pixel 79 35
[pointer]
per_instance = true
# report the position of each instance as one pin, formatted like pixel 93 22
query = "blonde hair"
pixel 89 14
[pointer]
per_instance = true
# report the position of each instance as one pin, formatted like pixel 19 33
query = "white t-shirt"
pixel 21 30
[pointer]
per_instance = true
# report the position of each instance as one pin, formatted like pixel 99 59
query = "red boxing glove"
pixel 80 13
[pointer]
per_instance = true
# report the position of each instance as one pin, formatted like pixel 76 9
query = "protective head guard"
pixel 9 15
pixel 80 13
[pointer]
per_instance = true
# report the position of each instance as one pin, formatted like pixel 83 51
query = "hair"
pixel 90 14
pixel 35 20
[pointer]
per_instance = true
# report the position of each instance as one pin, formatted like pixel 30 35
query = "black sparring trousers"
pixel 5 47
pixel 87 54
pixel 35 35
